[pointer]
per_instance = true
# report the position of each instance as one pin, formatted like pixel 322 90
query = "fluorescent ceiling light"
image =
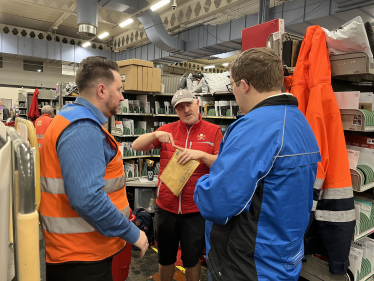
pixel 105 34
pixel 209 66
pixel 126 22
pixel 39 70
pixel 225 64
pixel 86 44
pixel 159 4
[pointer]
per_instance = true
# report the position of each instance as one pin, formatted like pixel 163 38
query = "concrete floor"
pixel 146 268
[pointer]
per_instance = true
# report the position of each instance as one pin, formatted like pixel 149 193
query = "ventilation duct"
pixel 87 17
pixel 157 34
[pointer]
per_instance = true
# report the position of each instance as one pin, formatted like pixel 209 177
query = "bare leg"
pixel 166 272
pixel 193 273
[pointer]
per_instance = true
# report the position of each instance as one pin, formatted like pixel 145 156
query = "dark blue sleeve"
pixel 246 156
pixel 82 159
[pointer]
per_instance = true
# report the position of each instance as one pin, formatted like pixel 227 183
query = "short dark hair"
pixel 261 67
pixel 93 71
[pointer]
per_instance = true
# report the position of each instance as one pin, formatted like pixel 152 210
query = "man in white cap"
pixel 178 218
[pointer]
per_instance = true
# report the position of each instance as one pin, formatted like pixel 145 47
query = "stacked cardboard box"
pixel 140 75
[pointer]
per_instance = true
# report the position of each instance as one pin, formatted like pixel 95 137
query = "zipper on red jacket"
pixel 158 189
pixel 185 146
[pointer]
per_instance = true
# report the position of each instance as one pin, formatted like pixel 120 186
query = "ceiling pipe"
pixel 157 34
pixel 87 17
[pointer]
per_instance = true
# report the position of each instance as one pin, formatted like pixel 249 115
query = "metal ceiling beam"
pixel 61 18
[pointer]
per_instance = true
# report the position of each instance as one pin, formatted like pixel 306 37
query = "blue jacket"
pixel 259 194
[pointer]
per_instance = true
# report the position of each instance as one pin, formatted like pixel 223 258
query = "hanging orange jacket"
pixel 68 237
pixel 34 107
pixel 332 224
pixel 41 125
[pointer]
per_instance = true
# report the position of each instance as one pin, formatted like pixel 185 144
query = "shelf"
pixel 136 114
pixel 361 235
pixel 141 156
pixel 47 98
pixel 137 183
pixel 368 277
pixel 176 116
pixel 70 97
pixel 354 67
pixel 22 107
pixel 136 92
pixel 358 124
pixel 218 117
pixel 218 93
pixel 165 115
pixel 356 182
pixel 125 136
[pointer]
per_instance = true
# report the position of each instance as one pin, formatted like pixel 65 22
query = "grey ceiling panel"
pixel 67 52
pixel 40 48
pixel 9 44
pixel 25 46
pixel 236 29
pixel 105 54
pixel 211 34
pixel 80 54
pixel 151 52
pixel 144 53
pixel 251 20
pixel 138 53
pixel 223 32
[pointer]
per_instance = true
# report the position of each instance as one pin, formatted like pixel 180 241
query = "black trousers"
pixel 88 271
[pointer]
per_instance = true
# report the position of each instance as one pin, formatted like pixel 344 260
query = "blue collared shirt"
pixel 84 153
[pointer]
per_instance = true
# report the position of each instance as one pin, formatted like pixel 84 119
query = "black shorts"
pixel 80 271
pixel 171 228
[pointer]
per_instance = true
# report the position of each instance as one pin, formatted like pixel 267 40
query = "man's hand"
pixel 164 137
pixel 188 154
pixel 142 243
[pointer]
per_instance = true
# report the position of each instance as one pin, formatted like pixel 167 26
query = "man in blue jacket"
pixel 259 192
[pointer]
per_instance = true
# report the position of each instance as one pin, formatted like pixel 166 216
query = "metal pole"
pixel 263 11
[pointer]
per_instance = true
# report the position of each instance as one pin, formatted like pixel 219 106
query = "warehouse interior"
pixel 160 45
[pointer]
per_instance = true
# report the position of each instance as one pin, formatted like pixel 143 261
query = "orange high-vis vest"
pixel 41 126
pixel 68 237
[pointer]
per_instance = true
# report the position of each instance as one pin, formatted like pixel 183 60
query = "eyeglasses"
pixel 229 86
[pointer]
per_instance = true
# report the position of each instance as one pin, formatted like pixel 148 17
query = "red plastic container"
pixel 121 262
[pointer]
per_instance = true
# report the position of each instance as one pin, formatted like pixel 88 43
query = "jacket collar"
pixel 98 114
pixel 281 99
pixel 195 125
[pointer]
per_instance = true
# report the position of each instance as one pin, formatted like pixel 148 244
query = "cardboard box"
pixel 131 77
pixel 140 78
pixel 149 77
pixel 156 79
pixel 135 62
pixel 145 78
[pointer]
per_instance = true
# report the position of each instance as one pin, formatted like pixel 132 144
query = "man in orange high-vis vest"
pixel 84 208
pixel 42 123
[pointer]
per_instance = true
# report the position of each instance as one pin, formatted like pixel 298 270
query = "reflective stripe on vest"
pixel 68 236
pixel 71 225
pixel 56 186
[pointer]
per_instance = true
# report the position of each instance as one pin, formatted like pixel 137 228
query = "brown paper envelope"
pixel 175 175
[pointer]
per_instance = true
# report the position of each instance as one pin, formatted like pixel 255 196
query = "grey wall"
pixel 12 73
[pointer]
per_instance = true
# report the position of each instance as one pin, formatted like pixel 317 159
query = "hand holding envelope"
pixel 176 175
